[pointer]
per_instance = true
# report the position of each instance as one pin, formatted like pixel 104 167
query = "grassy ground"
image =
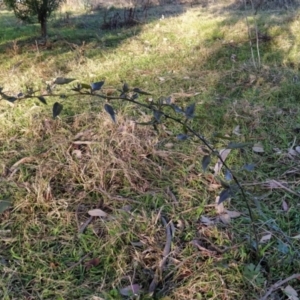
pixel 149 183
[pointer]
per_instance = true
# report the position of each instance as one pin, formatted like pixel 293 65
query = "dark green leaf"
pixel 232 145
pixel 224 195
pixel 228 175
pixel 110 111
pixel 62 80
pixel 86 86
pixel 134 96
pixel 224 184
pixel 11 99
pixel 157 115
pixel 4 205
pixel 77 88
pixel 137 90
pixel 249 167
pixel 177 108
pixel 182 137
pixel 205 162
pixel 42 99
pixel 57 108
pixel 125 88
pixel 123 95
pixel 190 110
pixel 220 136
pixel 96 86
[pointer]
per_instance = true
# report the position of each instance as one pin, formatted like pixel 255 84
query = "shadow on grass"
pixel 105 28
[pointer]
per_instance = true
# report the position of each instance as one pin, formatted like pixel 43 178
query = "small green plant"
pixel 253 275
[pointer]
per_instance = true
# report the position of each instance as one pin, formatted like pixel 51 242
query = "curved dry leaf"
pixel 223 153
pixel 266 238
pixel 97 213
pixel 130 290
pixel 233 214
pixel 285 206
pixel 297 237
pixel 258 148
pixel 291 293
pixel 169 145
pixel 292 152
pixel 225 218
pixel 236 130
pixel 206 221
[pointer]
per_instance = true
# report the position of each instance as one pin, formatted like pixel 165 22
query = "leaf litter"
pixel 130 290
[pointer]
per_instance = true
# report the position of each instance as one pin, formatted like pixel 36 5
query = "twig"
pixel 82 228
pixel 167 248
pixel 85 225
pixel 278 284
pixel 78 263
pixel 166 253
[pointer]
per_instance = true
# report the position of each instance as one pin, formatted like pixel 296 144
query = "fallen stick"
pixel 166 253
pixel 278 284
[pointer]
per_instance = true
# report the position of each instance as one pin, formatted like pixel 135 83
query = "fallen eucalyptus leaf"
pixel 258 148
pixel 296 237
pixel 291 293
pixel 206 221
pixel 225 218
pixel 285 206
pixel 233 214
pixel 97 213
pixel 236 130
pixel 130 290
pixel 266 238
pixel 218 166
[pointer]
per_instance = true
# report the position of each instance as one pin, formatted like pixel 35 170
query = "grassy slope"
pixel 189 56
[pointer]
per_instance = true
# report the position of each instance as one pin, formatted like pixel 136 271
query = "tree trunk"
pixel 44 32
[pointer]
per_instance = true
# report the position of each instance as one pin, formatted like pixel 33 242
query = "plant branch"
pixel 278 284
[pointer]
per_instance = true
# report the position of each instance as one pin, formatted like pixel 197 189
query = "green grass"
pixel 138 176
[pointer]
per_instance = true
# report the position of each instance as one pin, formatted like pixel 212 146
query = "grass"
pixel 52 249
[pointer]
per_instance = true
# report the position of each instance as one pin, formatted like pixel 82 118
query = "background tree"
pixel 27 9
